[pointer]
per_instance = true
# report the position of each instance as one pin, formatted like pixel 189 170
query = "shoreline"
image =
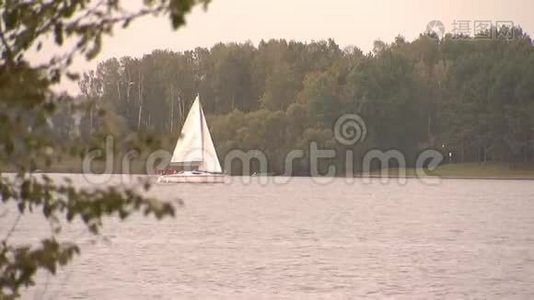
pixel 359 176
pixel 451 177
pixel 465 171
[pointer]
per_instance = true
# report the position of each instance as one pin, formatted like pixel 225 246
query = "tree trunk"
pixel 525 156
pixel 462 157
pixel 429 131
pixel 172 109
pixel 128 85
pixel 182 108
pixel 91 120
pixel 118 92
pixel 140 89
pixel 233 101
pixel 479 152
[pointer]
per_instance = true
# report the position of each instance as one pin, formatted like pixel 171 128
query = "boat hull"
pixel 197 178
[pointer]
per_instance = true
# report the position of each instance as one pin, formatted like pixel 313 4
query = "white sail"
pixel 195 146
pixel 210 161
pixel 189 145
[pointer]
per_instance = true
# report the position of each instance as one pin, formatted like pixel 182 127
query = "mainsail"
pixel 195 146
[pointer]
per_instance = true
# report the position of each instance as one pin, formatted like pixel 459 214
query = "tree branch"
pixel 12 229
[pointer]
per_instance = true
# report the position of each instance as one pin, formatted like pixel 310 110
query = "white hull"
pixel 192 178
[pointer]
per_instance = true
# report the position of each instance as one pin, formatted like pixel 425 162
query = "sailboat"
pixel 194 159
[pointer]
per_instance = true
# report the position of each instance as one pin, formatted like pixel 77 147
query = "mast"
pixel 201 130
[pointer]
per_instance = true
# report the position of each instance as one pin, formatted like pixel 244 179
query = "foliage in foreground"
pixel 26 107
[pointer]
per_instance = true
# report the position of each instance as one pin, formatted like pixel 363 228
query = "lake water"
pixel 460 239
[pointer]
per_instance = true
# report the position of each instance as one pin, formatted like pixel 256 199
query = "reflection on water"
pixel 459 239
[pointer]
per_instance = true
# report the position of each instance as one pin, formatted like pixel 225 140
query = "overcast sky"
pixel 348 22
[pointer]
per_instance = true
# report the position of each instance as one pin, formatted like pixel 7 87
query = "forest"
pixel 467 96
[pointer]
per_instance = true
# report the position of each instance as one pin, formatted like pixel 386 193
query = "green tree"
pixel 463 95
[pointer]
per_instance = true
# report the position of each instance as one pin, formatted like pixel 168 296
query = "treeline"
pixel 471 97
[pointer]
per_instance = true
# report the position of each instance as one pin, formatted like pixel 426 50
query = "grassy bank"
pixel 472 170
pixel 75 165
pixel 465 170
